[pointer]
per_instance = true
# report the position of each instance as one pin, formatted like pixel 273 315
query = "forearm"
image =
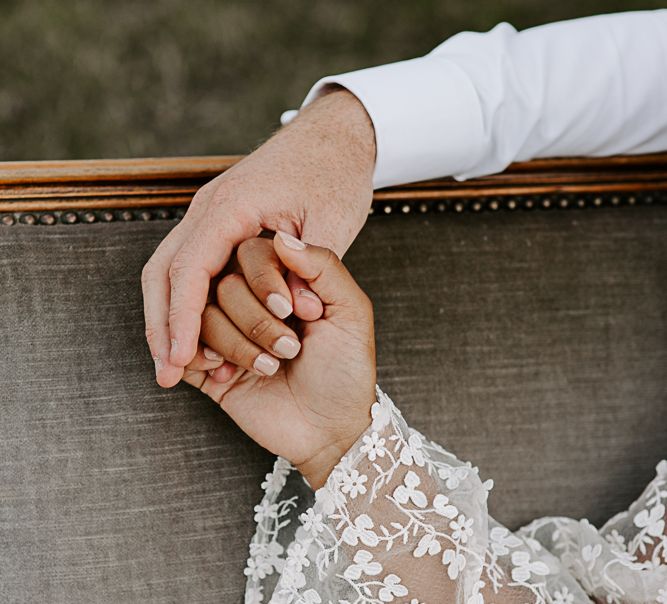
pixel 593 86
pixel 337 122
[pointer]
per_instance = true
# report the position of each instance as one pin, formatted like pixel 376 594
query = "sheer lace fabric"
pixel 402 520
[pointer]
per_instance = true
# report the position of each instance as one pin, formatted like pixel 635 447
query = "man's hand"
pixel 313 179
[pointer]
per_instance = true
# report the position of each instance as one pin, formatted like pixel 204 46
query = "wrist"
pixel 318 467
pixel 320 165
pixel 338 127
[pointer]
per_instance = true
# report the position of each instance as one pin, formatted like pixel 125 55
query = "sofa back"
pixel 521 322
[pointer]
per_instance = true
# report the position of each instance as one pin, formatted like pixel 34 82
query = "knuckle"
pixel 330 258
pixel 258 280
pixel 219 199
pixel 328 262
pixel 239 353
pixel 251 247
pixel 245 248
pixel 259 328
pixel 203 193
pixel 148 272
pixel 205 189
pixel 228 283
pixel 151 335
pixel 367 304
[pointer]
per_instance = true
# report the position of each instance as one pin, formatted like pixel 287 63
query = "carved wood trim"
pixel 136 184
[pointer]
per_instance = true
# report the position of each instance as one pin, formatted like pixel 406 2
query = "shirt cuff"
pixel 426 114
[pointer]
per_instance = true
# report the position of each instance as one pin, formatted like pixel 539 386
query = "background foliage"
pixel 93 78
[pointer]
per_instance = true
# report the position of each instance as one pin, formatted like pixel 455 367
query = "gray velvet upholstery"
pixel 532 343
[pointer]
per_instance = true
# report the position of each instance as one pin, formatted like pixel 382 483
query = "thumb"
pixel 322 270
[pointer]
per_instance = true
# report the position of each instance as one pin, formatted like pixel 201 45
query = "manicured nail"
pixel 306 293
pixel 291 242
pixel 266 364
pixel 212 355
pixel 279 305
pixel 287 347
pixel 158 363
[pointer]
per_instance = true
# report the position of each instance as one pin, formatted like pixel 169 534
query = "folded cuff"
pixel 426 115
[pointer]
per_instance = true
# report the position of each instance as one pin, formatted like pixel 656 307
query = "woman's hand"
pixel 309 409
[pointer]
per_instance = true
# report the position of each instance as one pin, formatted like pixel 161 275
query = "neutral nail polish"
pixel 212 355
pixel 266 364
pixel 279 305
pixel 287 347
pixel 291 242
pixel 306 293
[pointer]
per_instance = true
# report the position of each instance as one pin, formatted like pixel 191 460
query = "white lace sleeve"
pixel 402 520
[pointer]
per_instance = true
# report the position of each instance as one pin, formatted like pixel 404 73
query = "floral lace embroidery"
pixel 403 520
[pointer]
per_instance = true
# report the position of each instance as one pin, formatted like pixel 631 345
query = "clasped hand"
pixel 295 372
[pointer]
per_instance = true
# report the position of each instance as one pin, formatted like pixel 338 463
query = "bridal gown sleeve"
pixel 402 520
pixel 594 86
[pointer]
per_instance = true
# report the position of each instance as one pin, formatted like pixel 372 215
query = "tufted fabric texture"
pixel 533 343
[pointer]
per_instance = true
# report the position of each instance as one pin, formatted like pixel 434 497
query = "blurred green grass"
pixel 85 79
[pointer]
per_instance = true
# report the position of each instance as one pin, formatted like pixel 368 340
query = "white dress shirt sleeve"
pixel 594 86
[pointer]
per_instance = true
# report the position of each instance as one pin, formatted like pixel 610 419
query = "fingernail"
pixel 174 345
pixel 291 242
pixel 306 293
pixel 211 372
pixel 279 305
pixel 212 355
pixel 158 363
pixel 287 347
pixel 266 364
